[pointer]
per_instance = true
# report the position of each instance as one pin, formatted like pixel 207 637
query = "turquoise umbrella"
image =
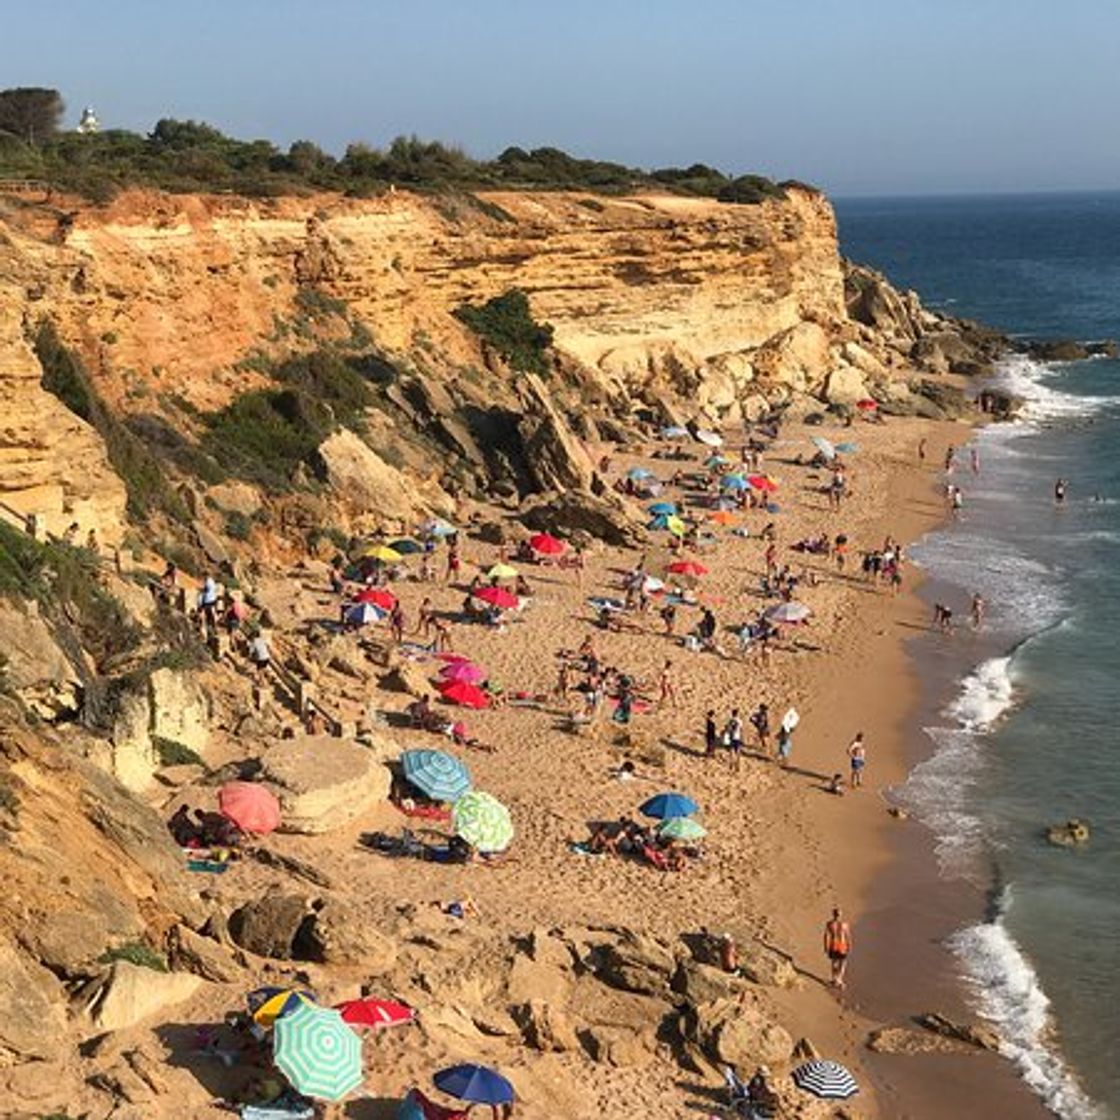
pixel 437 775
pixel 483 821
pixel 735 482
pixel 318 1053
pixel 667 508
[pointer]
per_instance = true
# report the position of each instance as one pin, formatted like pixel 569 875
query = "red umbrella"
pixel 498 597
pixel 688 568
pixel 460 692
pixel 452 657
pixel 250 806
pixel 547 544
pixel 463 671
pixel 867 404
pixel 762 482
pixel 375 1012
pixel 378 596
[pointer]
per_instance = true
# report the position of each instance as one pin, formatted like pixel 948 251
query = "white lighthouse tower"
pixel 89 122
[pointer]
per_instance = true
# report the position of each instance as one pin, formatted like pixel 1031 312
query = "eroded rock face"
pixel 32 1009
pixel 131 994
pixel 324 783
pixel 35 667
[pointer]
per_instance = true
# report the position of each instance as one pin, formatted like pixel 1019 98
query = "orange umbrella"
pixel 250 806
pixel 687 568
pixel 468 695
pixel 723 517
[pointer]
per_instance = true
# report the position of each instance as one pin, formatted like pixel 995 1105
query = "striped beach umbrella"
pixel 436 774
pixel 830 1081
pixel 318 1053
pixel 361 614
pixel 681 828
pixel 482 821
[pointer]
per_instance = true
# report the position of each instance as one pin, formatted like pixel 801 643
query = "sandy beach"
pixel 781 849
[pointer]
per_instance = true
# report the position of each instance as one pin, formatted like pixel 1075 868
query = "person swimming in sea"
pixel 1060 491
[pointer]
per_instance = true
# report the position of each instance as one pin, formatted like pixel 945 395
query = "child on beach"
pixel 857 756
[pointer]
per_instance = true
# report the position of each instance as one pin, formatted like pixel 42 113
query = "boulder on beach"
pixel 1069 834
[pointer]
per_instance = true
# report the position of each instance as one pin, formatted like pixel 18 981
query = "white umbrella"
pixel 711 439
pixel 824 447
pixel 788 612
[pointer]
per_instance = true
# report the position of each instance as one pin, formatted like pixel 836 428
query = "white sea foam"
pixel 938 789
pixel 1009 995
pixel 1037 383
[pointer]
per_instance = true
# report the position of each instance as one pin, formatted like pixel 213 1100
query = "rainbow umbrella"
pixel 268 1004
pixel 318 1053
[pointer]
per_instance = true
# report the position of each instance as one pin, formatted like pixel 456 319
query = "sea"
pixel 1028 733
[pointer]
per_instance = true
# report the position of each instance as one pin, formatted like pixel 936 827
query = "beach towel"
pixel 424 812
pixel 212 866
pixel 277 1112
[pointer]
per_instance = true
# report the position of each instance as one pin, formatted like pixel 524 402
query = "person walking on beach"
pixel 974 458
pixel 711 734
pixel 950 458
pixel 761 721
pixel 667 690
pixel 733 737
pixel 837 946
pixel 397 622
pixel 978 607
pixel 785 744
pixel 857 759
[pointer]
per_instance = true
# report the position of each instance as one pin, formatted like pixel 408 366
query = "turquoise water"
pixel 1033 735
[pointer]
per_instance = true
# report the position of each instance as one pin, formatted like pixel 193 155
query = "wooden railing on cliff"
pixel 23 187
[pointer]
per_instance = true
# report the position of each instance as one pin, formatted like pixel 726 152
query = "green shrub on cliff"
pixel 506 322
pixel 145 482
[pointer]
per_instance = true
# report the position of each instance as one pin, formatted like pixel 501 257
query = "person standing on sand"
pixel 785 745
pixel 978 607
pixel 397 622
pixel 857 758
pixel 711 734
pixel 667 690
pixel 837 946
pixel 761 722
pixel 950 458
pixel 733 737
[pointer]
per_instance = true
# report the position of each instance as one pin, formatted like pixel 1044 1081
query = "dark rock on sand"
pixel 268 926
pixel 1069 834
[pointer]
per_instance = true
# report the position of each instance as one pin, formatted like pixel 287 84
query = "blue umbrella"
pixel 477 1084
pixel 438 775
pixel 639 473
pixel 735 482
pixel 664 805
pixel 666 508
pixel 674 432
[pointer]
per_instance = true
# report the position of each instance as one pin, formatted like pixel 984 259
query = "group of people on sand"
pixel 731 737
pixel 629 838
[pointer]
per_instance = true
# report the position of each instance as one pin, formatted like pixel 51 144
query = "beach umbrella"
pixel 449 656
pixel 477 1084
pixel 649 489
pixel 363 613
pixel 465 694
pixel 669 522
pixel 867 405
pixel 639 474
pixel 268 1004
pixel 824 447
pixel 762 482
pixel 829 1081
pixel 463 671
pixel 687 568
pixel 378 596
pixel 376 1013
pixel 436 774
pixel 681 828
pixel 406 546
pixel 713 462
pixel 723 517
pixel 709 439
pixel 383 553
pixel 482 821
pixel 665 508
pixel 546 544
pixel 651 585
pixel 664 805
pixel 502 571
pixel 788 613
pixel 848 448
pixel 318 1053
pixel 735 482
pixel 497 597
pixel 252 807
pixel 674 431
pixel 437 527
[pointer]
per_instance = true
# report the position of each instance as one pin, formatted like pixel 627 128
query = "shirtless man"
pixel 667 689
pixel 837 946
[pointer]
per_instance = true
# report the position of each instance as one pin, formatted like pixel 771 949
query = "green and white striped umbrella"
pixel 681 828
pixel 483 821
pixel 318 1053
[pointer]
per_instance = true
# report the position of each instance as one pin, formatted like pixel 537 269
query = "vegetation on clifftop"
pixel 188 156
pixel 506 322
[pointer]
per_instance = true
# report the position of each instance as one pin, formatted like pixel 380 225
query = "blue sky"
pixel 860 97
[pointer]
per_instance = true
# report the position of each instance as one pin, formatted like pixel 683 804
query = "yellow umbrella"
pixel 383 553
pixel 675 525
pixel 502 571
